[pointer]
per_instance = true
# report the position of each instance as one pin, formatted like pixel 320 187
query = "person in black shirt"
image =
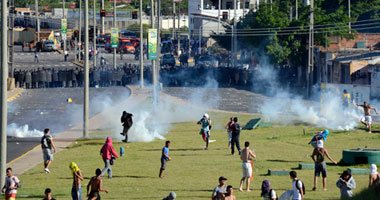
pixel 127 121
pixel 235 128
pixel 47 146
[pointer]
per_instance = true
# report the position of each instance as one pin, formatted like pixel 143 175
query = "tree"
pixel 268 28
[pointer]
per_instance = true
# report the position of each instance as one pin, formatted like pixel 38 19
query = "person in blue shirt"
pixel 164 157
pixel 205 130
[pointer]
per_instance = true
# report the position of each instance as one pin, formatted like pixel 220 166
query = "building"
pixel 204 15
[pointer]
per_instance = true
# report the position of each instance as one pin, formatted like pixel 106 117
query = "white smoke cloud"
pixel 14 130
pixel 287 108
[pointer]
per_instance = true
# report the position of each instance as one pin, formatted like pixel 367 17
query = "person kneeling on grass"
pixel 318 157
pixel 346 183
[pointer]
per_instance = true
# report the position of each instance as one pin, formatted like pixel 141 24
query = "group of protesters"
pixel 345 183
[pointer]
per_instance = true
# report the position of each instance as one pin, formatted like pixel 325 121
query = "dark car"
pixel 208 61
pixel 168 59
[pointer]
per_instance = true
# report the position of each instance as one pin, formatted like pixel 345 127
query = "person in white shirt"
pixel 11 185
pixel 297 186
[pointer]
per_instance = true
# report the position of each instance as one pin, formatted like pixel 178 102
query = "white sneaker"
pixel 47 170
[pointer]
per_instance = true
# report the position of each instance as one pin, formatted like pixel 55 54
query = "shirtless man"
pixel 230 193
pixel 246 156
pixel 76 191
pixel 96 186
pixel 367 119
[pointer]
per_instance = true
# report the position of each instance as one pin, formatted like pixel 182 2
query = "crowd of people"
pixel 346 182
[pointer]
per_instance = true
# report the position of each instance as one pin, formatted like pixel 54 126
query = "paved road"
pixel 48 108
pixel 228 99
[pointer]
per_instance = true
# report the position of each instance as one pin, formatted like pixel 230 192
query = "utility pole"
pixel 86 103
pixel 114 25
pixel 154 88
pixel 94 38
pixel 141 48
pixel 349 16
pixel 80 30
pixel 291 13
pixel 11 39
pixel 234 35
pixel 37 19
pixel 179 32
pixel 310 67
pixel 102 18
pixel 219 4
pixel 4 76
pixel 63 14
pixel 158 65
pixel 200 39
pixel 296 9
pixel 173 34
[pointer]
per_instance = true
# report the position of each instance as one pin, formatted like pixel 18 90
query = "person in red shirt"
pixel 107 153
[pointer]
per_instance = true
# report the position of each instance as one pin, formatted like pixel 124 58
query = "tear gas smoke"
pixel 14 130
pixel 324 110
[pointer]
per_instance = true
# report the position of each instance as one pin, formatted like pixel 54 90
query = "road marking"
pixel 14 96
pixel 24 154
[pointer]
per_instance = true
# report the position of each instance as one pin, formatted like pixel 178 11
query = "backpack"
pixel 303 187
pixel 270 194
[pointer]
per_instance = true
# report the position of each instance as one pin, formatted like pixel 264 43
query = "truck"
pixel 126 45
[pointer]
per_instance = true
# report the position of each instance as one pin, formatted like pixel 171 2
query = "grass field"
pixel 193 171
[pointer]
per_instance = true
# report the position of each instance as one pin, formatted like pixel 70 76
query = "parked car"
pixel 208 61
pixel 168 59
pixel 48 45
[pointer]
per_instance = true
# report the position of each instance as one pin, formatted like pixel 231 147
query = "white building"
pixel 204 14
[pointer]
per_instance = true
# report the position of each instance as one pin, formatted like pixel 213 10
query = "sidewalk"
pixel 34 157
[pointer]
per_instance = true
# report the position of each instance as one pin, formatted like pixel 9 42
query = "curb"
pixel 37 146
pixel 24 154
pixel 78 64
pixel 16 95
pixel 59 51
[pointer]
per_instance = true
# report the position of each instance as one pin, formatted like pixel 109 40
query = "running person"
pixel 96 186
pixel 205 130
pixel 246 156
pixel 367 119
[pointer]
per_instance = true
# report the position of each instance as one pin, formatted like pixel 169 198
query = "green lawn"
pixel 193 172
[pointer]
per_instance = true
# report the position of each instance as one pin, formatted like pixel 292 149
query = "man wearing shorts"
pixel 318 157
pixel 164 158
pixel 11 185
pixel 96 186
pixel 246 156
pixel 205 130
pixel 367 119
pixel 47 146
